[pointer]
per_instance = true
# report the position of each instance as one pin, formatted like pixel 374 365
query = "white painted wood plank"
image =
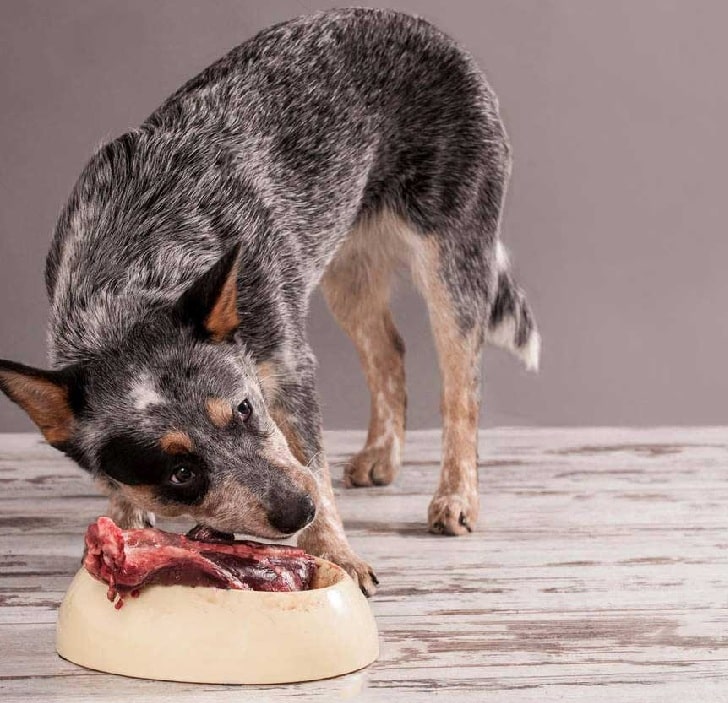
pixel 599 572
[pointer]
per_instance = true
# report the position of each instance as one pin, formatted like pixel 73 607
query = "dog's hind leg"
pixel 472 299
pixel 356 286
pixel 455 505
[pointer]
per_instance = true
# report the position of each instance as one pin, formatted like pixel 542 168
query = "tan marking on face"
pixel 144 498
pixel 228 506
pixel 45 402
pixel 176 442
pixel 223 319
pixel 219 411
pixel 233 507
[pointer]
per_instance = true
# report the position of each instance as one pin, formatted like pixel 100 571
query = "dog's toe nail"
pixel 374 578
pixel 379 481
pixel 369 480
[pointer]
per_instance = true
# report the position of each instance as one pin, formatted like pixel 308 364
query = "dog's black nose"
pixel 292 513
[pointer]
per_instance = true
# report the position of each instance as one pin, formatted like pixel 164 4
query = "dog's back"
pixel 282 145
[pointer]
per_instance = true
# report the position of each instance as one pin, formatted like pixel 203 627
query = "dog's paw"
pixel 452 514
pixel 358 569
pixel 376 466
pixel 341 553
pixel 128 516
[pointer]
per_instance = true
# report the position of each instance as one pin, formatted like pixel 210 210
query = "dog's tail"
pixel 511 324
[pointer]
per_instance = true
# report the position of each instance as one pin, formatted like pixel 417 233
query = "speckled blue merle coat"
pixel 326 150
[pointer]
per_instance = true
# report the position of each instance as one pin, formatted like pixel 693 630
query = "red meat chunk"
pixel 127 560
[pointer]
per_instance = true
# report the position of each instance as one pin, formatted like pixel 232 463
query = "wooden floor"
pixel 599 573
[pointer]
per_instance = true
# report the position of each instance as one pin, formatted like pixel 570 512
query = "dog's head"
pixel 175 418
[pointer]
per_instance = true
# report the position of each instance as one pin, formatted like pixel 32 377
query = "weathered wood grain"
pixel 599 572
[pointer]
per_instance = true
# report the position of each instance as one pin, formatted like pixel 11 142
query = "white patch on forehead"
pixel 143 393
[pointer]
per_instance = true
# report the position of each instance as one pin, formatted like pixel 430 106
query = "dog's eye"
pixel 245 409
pixel 182 475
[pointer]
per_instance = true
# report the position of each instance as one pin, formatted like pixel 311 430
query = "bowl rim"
pixel 339 579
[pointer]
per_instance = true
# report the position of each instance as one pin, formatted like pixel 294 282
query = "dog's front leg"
pixel 297 414
pixel 325 537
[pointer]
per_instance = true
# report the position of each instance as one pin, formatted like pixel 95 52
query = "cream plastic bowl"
pixel 212 635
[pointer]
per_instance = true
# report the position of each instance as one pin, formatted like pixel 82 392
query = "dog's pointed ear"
pixel 210 304
pixel 50 398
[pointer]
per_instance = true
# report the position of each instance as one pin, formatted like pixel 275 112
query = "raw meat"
pixel 127 560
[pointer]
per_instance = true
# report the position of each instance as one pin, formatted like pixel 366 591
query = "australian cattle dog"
pixel 327 151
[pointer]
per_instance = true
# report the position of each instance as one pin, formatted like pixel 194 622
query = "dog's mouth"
pixel 205 533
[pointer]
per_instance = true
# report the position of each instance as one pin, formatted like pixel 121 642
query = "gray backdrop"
pixel 616 110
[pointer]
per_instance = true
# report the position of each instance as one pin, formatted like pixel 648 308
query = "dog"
pixel 330 151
